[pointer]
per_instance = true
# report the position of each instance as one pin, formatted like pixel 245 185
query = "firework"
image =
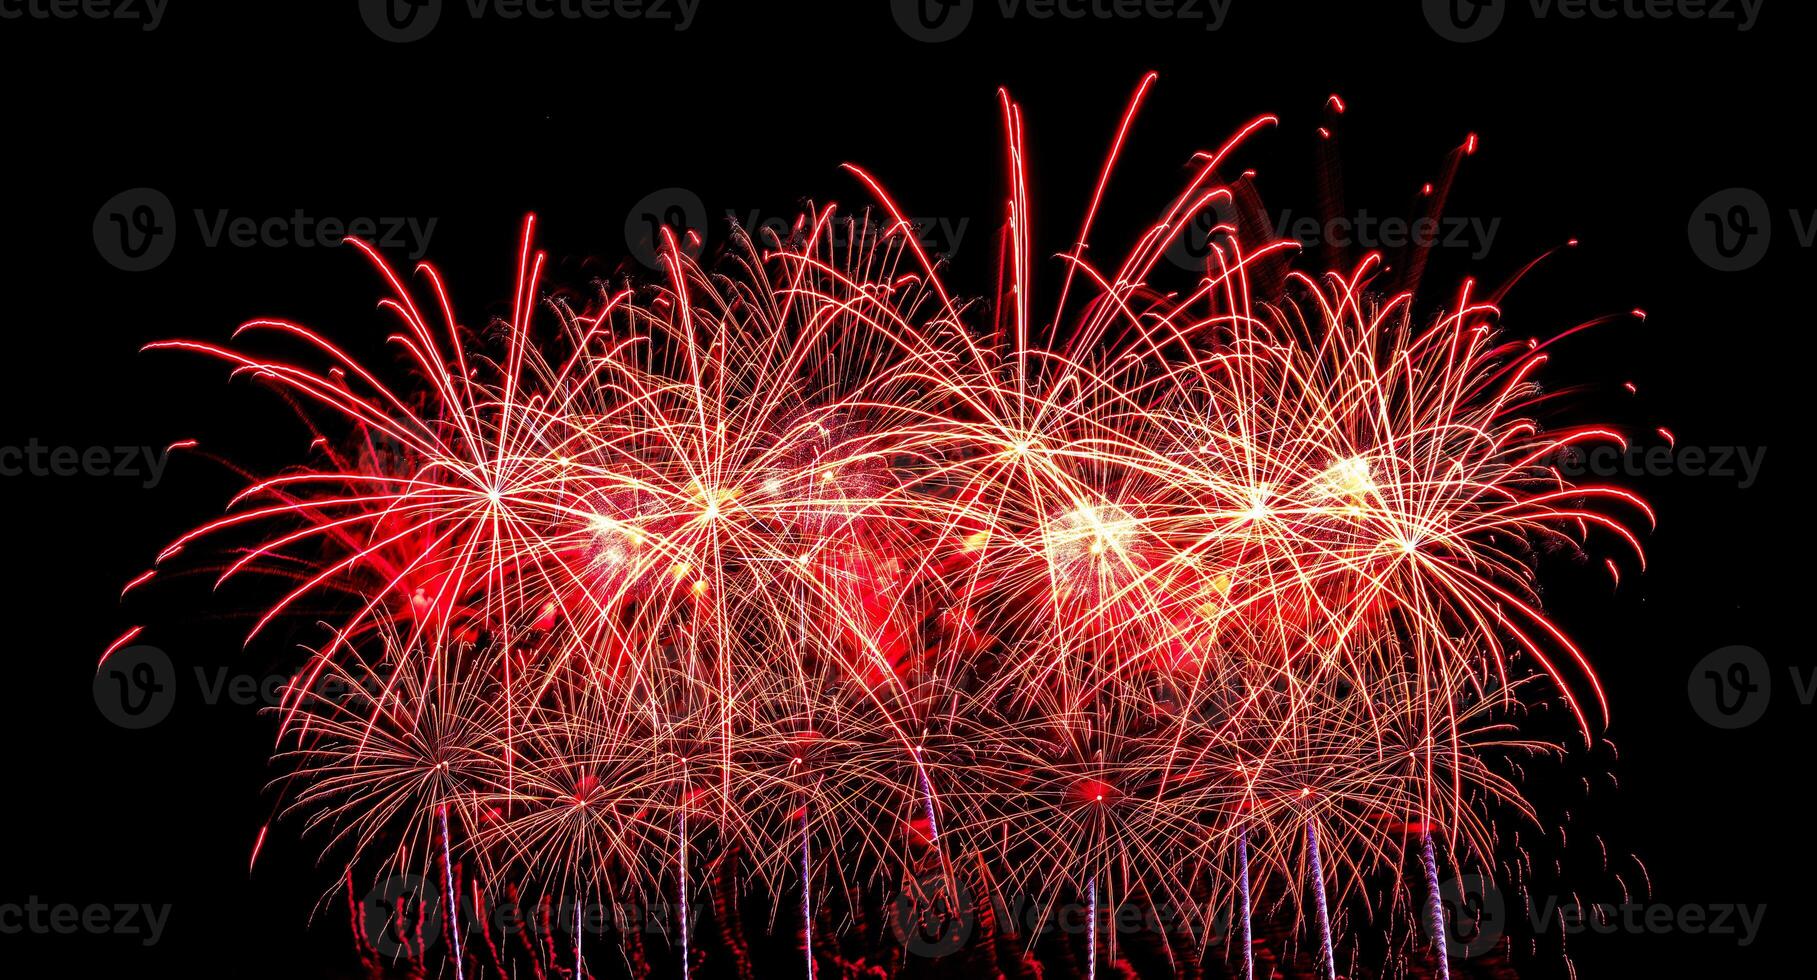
pixel 796 569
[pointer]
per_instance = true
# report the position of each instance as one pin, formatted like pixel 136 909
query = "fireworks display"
pixel 796 567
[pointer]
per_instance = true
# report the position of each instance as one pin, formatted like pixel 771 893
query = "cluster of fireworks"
pixel 797 563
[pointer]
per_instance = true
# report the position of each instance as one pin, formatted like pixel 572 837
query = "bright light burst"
pixel 796 565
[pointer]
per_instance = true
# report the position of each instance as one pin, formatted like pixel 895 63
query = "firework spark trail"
pixel 1327 959
pixel 1091 930
pixel 1243 907
pixel 791 547
pixel 454 909
pixel 807 896
pixel 1435 905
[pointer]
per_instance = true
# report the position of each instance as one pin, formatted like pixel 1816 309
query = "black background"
pixel 1608 131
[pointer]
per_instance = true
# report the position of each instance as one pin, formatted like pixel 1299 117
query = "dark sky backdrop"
pixel 1611 131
